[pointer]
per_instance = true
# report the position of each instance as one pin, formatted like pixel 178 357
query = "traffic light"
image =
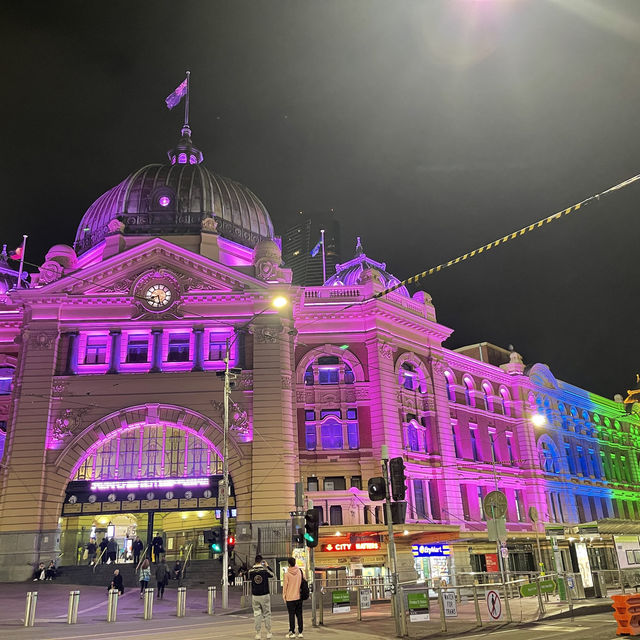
pixel 297 531
pixel 231 543
pixel 312 526
pixel 215 539
pixel 398 486
pixel 377 488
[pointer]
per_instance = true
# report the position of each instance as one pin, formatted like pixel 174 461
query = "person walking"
pixel 116 582
pixel 157 546
pixel 112 550
pixel 291 596
pixel 137 548
pixel 162 577
pixel 92 550
pixel 103 549
pixel 144 576
pixel 259 576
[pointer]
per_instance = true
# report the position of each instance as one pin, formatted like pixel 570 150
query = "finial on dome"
pixel 359 249
pixel 4 255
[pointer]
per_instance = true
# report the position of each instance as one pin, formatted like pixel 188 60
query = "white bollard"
pixel 181 607
pixel 112 607
pixel 211 600
pixel 30 609
pixel 72 610
pixel 148 604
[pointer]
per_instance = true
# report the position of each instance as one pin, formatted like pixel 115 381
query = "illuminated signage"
pixel 350 546
pixel 159 483
pixel 430 550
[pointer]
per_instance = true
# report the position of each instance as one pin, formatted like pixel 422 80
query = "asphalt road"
pixel 592 627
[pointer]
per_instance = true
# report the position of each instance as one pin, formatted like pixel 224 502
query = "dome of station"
pixel 175 198
pixel 350 273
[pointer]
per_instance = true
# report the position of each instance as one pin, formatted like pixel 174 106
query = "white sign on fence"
pixel 365 598
pixel 450 605
pixel 494 605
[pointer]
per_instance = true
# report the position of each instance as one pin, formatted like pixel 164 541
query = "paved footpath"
pixel 51 614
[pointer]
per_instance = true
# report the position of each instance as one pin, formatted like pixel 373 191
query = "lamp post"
pixel 277 302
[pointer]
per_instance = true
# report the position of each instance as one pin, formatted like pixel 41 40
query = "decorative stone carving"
pixel 386 350
pixel 267 335
pixel 42 340
pixel 350 395
pixel 115 226
pixel 286 382
pixel 67 423
pixel 122 285
pixel 50 272
pixel 238 417
pixel 329 397
pixel 58 387
pixel 209 225
pixel 245 382
pixel 300 396
pixel 362 393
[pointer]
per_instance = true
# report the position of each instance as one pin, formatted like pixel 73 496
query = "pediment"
pixel 120 273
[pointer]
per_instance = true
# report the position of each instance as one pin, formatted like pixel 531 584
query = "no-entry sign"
pixel 494 605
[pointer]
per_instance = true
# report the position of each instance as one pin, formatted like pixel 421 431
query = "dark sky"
pixel 430 127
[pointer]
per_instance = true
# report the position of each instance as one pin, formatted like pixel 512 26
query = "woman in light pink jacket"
pixel 291 595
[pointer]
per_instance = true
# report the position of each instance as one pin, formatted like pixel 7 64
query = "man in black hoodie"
pixel 259 576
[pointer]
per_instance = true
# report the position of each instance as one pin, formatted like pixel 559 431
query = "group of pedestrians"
pixel 42 573
pixel 294 591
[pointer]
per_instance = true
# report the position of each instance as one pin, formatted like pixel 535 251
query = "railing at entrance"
pixel 185 564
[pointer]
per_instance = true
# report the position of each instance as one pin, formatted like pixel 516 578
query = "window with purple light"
pixel 217 348
pixel 182 158
pixel 349 376
pixel 311 440
pixel 193 160
pixel 138 349
pixel 468 392
pixel 331 434
pixel 353 435
pixel 308 376
pixel 413 439
pixel 331 412
pixel 6 380
pixel 96 351
pixel 451 392
pixel 408 376
pixel 179 344
pixel 164 201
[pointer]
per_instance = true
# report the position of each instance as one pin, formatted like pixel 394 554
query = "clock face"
pixel 158 296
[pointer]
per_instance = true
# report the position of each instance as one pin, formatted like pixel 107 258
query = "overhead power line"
pixel 511 236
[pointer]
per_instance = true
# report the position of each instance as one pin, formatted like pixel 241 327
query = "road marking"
pixel 100 604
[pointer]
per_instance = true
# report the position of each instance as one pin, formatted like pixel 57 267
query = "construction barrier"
pixel 627 614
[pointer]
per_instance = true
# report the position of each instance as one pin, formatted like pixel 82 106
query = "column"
pixel 72 354
pixel 198 349
pixel 156 351
pixel 114 358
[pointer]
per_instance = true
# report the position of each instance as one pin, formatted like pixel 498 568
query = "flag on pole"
pixel 173 99
pixel 316 249
pixel 16 254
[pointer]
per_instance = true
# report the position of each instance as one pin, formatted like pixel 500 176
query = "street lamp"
pixel 278 302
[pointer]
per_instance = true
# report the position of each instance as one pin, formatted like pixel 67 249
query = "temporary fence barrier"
pixel 627 614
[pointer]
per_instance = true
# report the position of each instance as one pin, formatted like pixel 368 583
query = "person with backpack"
pixel 259 576
pixel 292 594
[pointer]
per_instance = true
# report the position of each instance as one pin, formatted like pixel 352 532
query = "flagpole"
pixel 186 102
pixel 24 245
pixel 324 261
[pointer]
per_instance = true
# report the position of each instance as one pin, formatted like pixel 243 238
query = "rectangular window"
pixel 138 349
pixel 584 467
pixel 335 514
pixel 418 492
pixel 480 496
pixel 605 507
pixel 311 440
pixel 551 503
pixel 328 375
pixel 456 444
pixel 353 435
pixel 312 484
pixel 335 483
pixel 309 415
pixel 592 508
pixel 433 500
pixel 474 445
pixel 178 347
pixel 352 414
pixel 356 482
pixel 465 502
pixel 615 472
pixel 510 450
pixel 96 352
pixel 605 468
pixel 560 510
pixel 570 459
pixel 331 434
pixel 595 464
pixel 217 348
pixel 519 504
pixel 330 412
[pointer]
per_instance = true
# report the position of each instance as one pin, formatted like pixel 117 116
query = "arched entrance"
pixel 156 473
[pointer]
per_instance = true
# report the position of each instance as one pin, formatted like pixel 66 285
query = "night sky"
pixel 429 127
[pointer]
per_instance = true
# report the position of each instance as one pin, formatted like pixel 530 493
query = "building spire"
pixel 359 249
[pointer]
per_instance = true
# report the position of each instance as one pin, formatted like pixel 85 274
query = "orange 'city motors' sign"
pixel 341 547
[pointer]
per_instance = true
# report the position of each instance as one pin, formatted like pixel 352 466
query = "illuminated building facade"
pixel 113 409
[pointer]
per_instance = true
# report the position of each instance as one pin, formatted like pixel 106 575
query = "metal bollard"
pixel 321 610
pixel 112 605
pixel 148 603
pixel 181 606
pixel 211 600
pixel 477 605
pixel 540 603
pixel 30 609
pixel 72 610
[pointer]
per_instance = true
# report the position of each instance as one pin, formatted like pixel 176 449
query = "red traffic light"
pixel 231 543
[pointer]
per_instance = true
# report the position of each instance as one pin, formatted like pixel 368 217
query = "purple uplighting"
pixel 164 201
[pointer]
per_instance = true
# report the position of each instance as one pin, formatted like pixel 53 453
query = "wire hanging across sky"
pixel 511 236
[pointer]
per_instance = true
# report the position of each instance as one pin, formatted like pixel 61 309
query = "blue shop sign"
pixel 430 550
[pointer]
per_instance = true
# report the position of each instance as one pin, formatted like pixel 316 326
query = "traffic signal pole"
pixel 312 578
pixel 391 546
pixel 225 474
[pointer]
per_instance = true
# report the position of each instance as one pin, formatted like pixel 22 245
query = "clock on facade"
pixel 158 296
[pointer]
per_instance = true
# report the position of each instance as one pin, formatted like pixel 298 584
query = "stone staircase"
pixel 200 575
